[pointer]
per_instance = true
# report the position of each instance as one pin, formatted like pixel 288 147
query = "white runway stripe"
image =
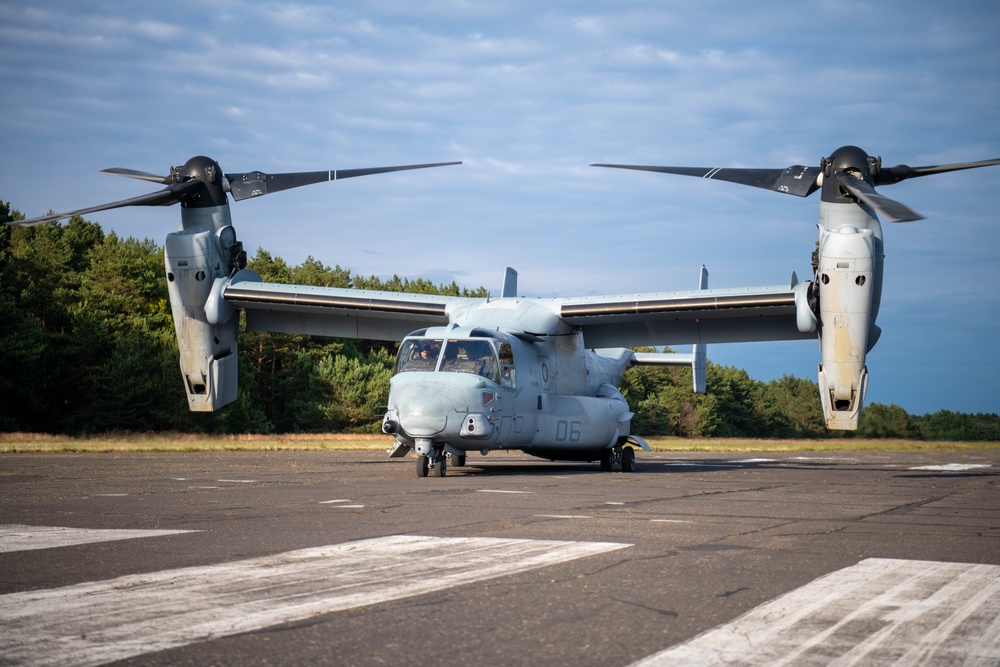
pixel 98 622
pixel 14 537
pixel 878 612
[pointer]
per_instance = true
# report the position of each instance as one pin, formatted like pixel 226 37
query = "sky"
pixel 527 95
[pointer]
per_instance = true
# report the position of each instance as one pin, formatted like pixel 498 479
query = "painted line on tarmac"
pixel 880 611
pixel 955 467
pixel 503 491
pixel 98 622
pixel 16 537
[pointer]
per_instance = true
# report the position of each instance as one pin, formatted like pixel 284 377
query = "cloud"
pixel 528 95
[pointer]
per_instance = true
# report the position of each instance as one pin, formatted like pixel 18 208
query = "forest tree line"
pixel 87 345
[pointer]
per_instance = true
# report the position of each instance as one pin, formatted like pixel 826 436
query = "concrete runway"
pixel 347 558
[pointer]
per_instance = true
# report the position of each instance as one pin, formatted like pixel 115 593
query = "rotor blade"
pixel 890 208
pixel 258 184
pixel 796 180
pixel 164 197
pixel 890 175
pixel 132 173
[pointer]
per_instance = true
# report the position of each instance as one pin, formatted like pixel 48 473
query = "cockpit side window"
pixel 507 376
pixel 418 355
pixel 470 356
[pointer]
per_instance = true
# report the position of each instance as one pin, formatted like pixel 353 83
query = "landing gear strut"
pixel 436 461
pixel 622 456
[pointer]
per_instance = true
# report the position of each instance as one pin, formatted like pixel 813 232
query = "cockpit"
pixel 489 358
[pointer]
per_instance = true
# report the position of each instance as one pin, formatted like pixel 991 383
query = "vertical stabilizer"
pixel 509 289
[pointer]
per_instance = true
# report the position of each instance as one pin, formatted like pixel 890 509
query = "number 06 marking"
pixel 568 430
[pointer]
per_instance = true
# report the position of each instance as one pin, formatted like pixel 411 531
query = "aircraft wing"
pixel 338 312
pixel 696 316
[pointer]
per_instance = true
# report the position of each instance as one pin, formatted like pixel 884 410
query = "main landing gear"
pixel 621 456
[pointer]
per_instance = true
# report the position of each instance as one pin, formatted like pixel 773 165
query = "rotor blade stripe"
pixel 242 298
pixel 680 305
pixel 712 172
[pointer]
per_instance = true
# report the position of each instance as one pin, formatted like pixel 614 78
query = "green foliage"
pixel 886 421
pixel 87 345
pixel 357 387
pixel 798 400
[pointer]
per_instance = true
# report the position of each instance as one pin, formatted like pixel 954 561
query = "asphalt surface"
pixel 702 540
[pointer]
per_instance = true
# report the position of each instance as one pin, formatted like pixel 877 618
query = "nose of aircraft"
pixel 424 407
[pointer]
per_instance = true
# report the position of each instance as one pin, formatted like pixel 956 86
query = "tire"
pixel 421 466
pixel 440 466
pixel 628 459
pixel 605 460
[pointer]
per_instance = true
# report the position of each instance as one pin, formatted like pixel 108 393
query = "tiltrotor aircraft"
pixel 534 374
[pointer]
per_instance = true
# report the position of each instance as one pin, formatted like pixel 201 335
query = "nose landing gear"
pixel 437 461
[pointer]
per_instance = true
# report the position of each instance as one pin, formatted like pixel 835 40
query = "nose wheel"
pixel 438 462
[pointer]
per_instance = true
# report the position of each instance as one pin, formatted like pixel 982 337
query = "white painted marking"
pixel 98 622
pixel 239 481
pixel 563 516
pixel 823 458
pixel 954 467
pixel 501 491
pixel 698 464
pixel 14 537
pixel 752 461
pixel 669 521
pixel 330 502
pixel 349 507
pixel 610 502
pixel 880 611
pixel 208 487
pixel 110 495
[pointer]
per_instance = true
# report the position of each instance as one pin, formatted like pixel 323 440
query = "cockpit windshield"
pixel 474 356
pixel 418 355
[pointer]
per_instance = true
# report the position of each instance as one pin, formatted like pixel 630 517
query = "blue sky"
pixel 528 94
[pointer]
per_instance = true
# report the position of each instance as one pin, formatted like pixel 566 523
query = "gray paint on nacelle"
pixel 206 328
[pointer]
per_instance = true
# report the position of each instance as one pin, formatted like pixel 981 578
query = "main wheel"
pixel 605 460
pixel 628 459
pixel 440 466
pixel 422 465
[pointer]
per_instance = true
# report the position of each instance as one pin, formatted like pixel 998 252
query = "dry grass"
pixel 186 442
pixel 809 445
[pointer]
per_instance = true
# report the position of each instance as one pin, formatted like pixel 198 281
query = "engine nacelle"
pixel 845 276
pixel 200 260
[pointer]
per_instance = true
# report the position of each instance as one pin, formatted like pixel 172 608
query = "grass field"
pixel 185 442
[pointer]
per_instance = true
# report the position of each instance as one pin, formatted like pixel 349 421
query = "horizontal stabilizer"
pixel 696 360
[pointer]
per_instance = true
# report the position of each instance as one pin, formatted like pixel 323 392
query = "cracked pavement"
pixel 712 536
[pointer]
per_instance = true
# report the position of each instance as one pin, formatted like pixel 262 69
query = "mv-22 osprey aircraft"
pixel 534 374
